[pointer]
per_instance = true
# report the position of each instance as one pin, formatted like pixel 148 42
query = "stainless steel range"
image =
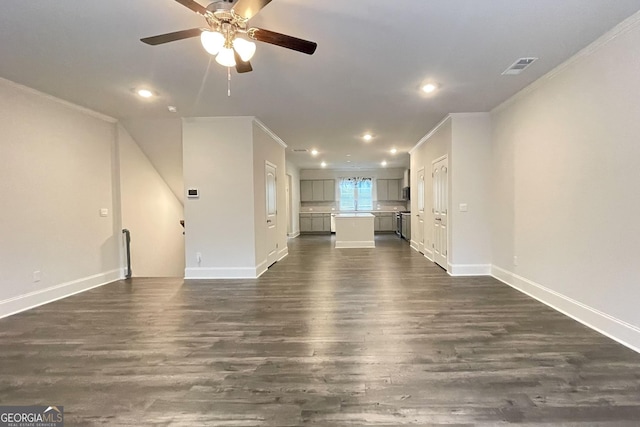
pixel 402 231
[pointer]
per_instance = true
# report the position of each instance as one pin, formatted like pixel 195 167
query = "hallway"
pixel 326 337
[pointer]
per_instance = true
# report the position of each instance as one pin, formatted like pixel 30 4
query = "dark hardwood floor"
pixel 326 337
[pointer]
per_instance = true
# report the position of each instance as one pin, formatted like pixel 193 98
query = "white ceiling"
pixel 371 59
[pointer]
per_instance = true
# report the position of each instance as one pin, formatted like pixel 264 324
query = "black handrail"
pixel 127 237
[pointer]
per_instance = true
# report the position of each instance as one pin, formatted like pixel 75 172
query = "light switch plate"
pixel 463 207
pixel 104 212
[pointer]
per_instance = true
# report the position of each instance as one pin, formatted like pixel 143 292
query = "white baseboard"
pixel 40 297
pixel 469 269
pixel 356 244
pixel 224 272
pixel 616 329
pixel 428 254
pixel 413 245
pixel 293 235
pixel 261 268
pixel 283 253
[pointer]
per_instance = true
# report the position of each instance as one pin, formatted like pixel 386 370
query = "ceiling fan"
pixel 225 25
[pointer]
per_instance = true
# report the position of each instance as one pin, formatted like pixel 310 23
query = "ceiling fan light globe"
pixel 212 41
pixel 245 48
pixel 226 57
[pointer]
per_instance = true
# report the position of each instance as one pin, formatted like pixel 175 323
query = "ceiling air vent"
pixel 518 66
pixel 300 150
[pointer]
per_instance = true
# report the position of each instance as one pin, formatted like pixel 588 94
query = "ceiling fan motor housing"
pixel 221 5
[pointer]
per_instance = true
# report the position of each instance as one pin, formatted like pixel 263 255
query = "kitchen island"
pixel 354 230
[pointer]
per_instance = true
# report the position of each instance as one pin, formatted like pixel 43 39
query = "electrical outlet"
pixel 515 260
pixel 37 276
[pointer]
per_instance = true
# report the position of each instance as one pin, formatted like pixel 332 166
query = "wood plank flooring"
pixel 349 337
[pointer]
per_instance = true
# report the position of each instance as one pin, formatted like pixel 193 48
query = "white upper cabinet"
pixel 389 189
pixel 306 191
pixel 317 190
pixel 329 190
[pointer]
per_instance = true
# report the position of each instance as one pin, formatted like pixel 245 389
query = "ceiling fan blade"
pixel 197 8
pixel 249 8
pixel 283 40
pixel 242 66
pixel 171 37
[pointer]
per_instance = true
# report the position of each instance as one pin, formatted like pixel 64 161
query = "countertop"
pixel 350 212
pixel 354 215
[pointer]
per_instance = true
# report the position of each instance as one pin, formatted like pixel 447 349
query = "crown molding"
pixel 269 132
pixel 622 28
pixel 431 132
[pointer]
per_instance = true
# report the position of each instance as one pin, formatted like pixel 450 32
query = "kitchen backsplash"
pixel 322 207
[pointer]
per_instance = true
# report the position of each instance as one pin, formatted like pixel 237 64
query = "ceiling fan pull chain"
pixel 228 81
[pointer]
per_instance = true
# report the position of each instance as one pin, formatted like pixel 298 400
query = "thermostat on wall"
pixel 193 193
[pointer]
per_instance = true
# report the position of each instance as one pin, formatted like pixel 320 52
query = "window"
pixel 356 194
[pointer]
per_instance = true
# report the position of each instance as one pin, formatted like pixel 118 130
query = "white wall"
pixel 294 172
pixel 470 251
pixel 161 142
pixel 565 176
pixel 151 212
pixel 268 149
pixel 58 168
pixel 218 160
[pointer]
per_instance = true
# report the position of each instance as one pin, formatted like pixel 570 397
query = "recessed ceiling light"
pixel 323 164
pixel 393 151
pixel 429 88
pixel 348 155
pixel 384 163
pixel 144 93
pixel 348 161
pixel 314 152
pixel 367 137
pixel 172 109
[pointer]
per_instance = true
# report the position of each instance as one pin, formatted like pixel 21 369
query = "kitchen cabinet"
pixel 382 190
pixel 384 221
pixel 394 189
pixel 317 190
pixel 406 226
pixel 305 223
pixel 326 223
pixel 388 189
pixel 329 190
pixel 306 191
pixel 315 223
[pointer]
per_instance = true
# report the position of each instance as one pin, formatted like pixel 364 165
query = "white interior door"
pixel 420 214
pixel 440 206
pixel 272 213
pixel 289 203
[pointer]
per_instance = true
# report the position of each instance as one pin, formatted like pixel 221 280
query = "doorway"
pixel 440 211
pixel 420 214
pixel 288 186
pixel 272 213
